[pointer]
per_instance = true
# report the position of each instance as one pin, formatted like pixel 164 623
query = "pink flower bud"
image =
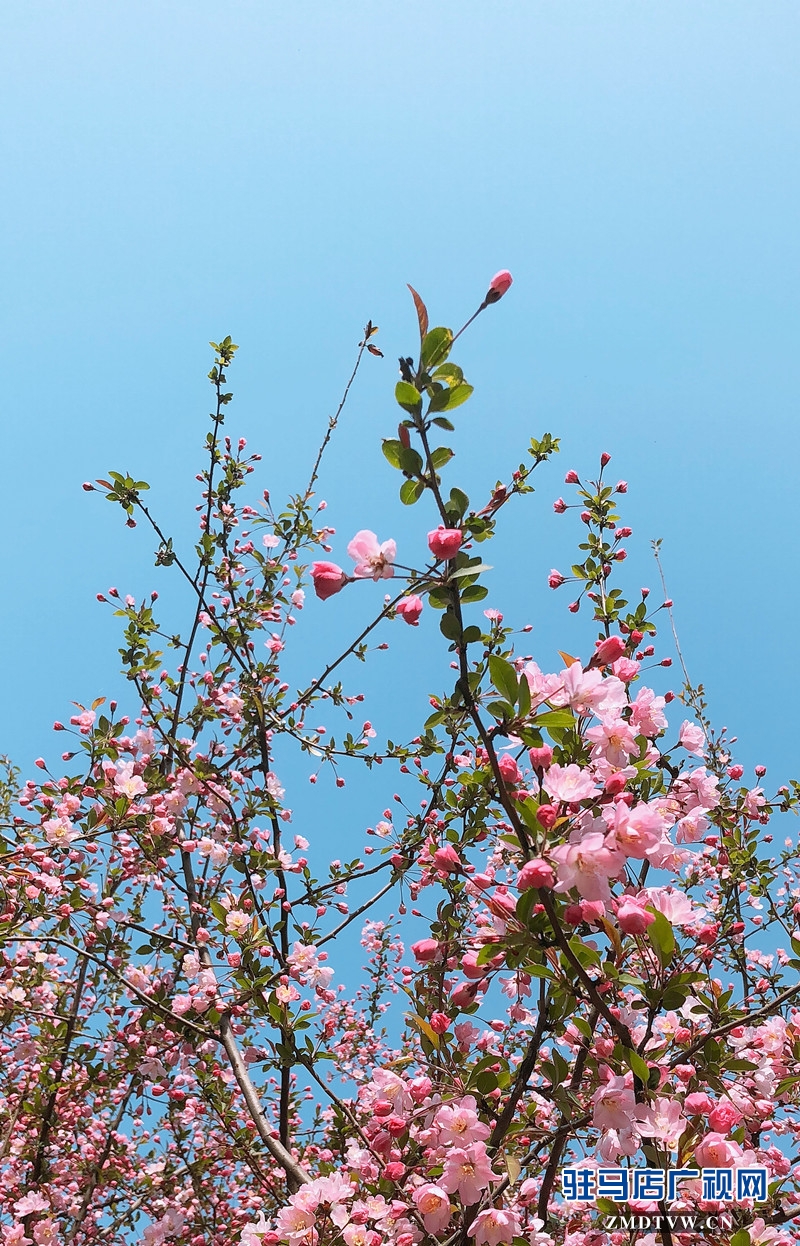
pixel 632 918
pixel 440 1022
pixel 572 478
pixel 409 609
pixel 559 506
pixel 555 579
pixel 547 816
pixel 541 758
pixel 698 1103
pixel 509 769
pixel 328 579
pixel 622 486
pixel 574 607
pixel 498 286
pixel 464 995
pixel 445 542
pixel 605 459
pixel 426 950
pixel 735 772
pixel 607 651
pixel 447 860
pixel 536 873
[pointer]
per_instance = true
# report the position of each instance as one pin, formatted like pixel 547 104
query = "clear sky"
pixel 175 172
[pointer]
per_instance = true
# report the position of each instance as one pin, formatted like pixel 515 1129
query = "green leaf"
pixel 741 1238
pixel 473 569
pixel 524 695
pixel 410 461
pixel 660 934
pixel 449 372
pixel 449 626
pixel 441 422
pixel 411 491
pixel 458 395
pixel 409 398
pixel 477 592
pixel 436 347
pixel 504 678
pixel 555 718
pixel 459 502
pixel 636 1064
pixel 391 451
pixel 440 456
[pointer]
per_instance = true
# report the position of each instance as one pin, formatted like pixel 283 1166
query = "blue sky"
pixel 177 172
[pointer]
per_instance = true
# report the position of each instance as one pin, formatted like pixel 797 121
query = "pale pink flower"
pixel 691 828
pixel 754 802
pixel 468 1170
pixel 458 1123
pixel 570 784
pixel 237 922
pixel 675 905
pixel 716 1151
pixel 647 713
pixel 587 692
pixel 433 1204
pixel 614 1105
pixel 662 1120
pixel 294 1223
pixel 634 831
pixel 693 738
pixel 495 1226
pixel 632 917
pixel 543 687
pixel 587 864
pixel 614 741
pixel 373 560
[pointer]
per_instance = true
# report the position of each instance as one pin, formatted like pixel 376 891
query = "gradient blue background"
pixel 173 173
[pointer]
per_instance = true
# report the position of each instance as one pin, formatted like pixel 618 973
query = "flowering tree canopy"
pixel 581 953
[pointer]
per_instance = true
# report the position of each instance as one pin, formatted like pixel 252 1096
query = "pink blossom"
pixel 588 692
pixel 716 1151
pixel 542 686
pixel 647 713
pixel 458 1123
pixel 409 609
pixel 535 873
pixel 468 1171
pixel 662 1120
pixel 693 738
pixel 328 579
pixel 607 651
pixel 447 860
pixel 555 579
pixel 632 918
pixel 625 669
pixel 444 543
pixel 587 864
pixel 724 1116
pixel 614 741
pixel 509 769
pixel 570 784
pixel 754 802
pixel 426 950
pixel 433 1204
pixel 373 560
pixel 496 1227
pixel 614 1105
pixel 634 831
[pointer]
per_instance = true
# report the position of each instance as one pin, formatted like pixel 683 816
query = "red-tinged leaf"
pixel 372 329
pixel 96 703
pixel 105 483
pixel 422 313
pixel 567 658
pixel 373 350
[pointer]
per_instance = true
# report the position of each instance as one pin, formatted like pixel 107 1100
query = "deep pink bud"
pixel 536 873
pixel 509 769
pixel 440 1022
pixel 547 816
pixel 574 607
pixel 735 772
pixel 555 579
pixel 622 486
pixel 445 542
pixel 605 459
pixel 409 609
pixel 328 579
pixel 572 477
pixel 541 758
pixel 464 995
pixel 559 506
pixel 607 651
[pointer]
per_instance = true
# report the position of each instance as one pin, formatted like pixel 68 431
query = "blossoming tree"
pixel 582 955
